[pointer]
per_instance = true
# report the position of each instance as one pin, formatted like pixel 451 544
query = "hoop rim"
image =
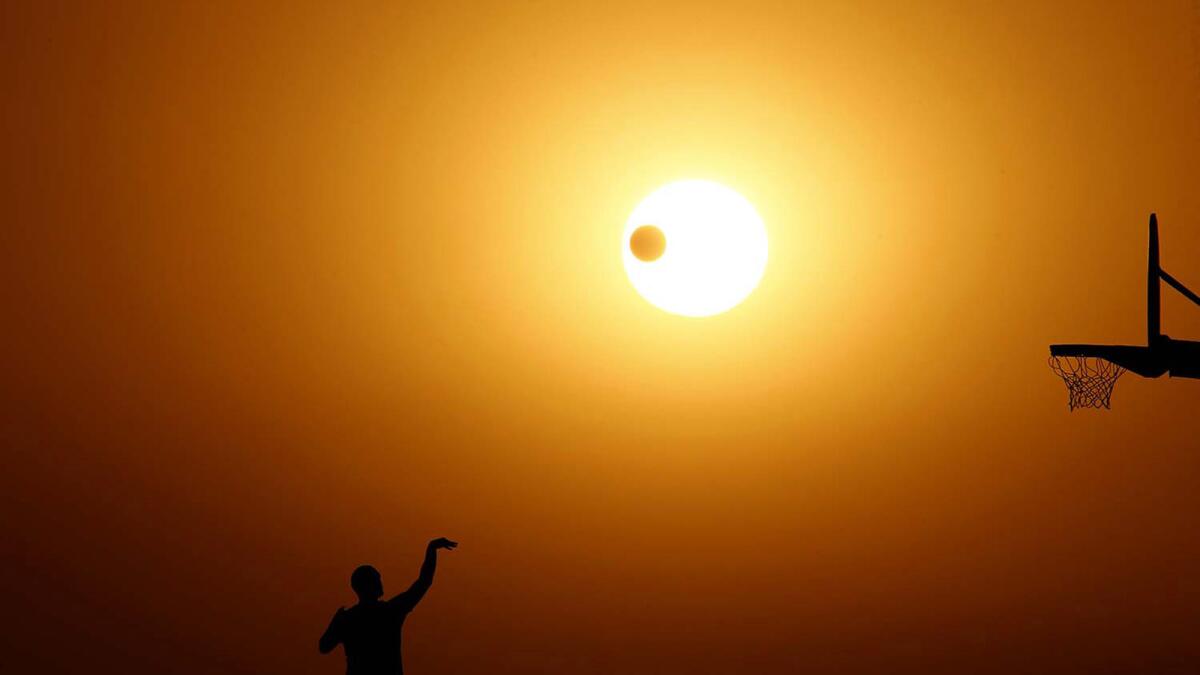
pixel 1144 361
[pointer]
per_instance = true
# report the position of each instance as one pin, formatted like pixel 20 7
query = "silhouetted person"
pixel 369 632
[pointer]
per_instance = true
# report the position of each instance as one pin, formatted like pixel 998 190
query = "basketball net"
pixel 1089 379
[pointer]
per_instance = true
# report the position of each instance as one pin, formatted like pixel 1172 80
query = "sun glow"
pixel 695 248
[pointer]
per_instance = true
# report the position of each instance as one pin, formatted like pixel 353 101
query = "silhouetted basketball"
pixel 648 243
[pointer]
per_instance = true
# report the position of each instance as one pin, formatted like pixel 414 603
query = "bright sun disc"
pixel 695 248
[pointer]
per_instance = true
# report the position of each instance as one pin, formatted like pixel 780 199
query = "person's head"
pixel 367 583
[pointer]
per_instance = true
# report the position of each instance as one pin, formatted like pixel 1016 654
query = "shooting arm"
pixel 425 578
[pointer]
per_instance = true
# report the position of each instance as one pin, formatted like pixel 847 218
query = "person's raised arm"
pixel 413 595
pixel 333 634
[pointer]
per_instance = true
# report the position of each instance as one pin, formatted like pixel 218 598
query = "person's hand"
pixel 442 542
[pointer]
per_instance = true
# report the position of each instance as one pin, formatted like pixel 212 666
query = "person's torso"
pixel 371 639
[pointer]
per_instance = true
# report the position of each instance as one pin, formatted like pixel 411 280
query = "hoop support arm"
pixel 1177 285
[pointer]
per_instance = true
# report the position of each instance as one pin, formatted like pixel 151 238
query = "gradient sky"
pixel 292 288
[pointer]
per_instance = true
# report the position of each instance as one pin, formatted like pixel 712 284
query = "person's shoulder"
pixel 401 603
pixel 354 611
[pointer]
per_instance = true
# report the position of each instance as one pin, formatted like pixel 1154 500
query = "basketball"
pixel 648 243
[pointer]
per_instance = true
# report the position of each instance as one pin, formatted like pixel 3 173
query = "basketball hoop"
pixel 1090 370
pixel 1089 379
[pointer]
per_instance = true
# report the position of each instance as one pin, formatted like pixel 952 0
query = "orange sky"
pixel 291 289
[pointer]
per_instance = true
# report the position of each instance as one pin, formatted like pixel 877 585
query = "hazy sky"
pixel 288 289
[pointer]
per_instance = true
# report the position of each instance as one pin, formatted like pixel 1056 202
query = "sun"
pixel 695 248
